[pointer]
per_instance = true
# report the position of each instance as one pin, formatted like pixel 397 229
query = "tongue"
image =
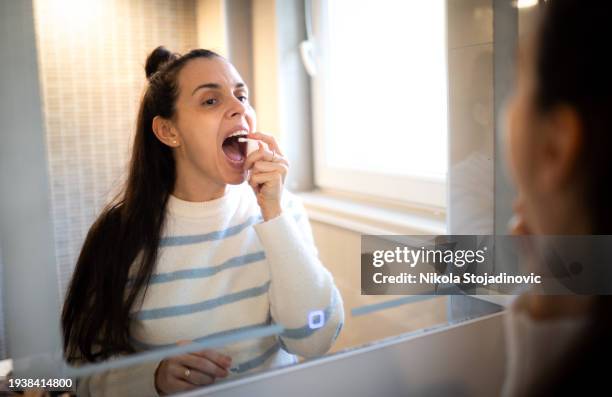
pixel 232 151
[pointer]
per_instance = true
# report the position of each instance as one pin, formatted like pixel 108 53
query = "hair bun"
pixel 160 56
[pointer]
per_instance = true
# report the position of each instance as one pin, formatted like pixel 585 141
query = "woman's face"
pixel 542 148
pixel 521 134
pixel 213 103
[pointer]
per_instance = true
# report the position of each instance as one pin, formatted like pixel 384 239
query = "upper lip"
pixel 235 129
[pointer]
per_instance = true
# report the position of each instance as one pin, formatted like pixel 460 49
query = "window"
pixel 380 98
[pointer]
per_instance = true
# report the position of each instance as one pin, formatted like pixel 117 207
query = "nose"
pixel 236 108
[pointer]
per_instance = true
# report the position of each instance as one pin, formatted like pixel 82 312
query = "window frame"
pixel 430 191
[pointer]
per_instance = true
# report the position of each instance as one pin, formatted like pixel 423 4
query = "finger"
pixel 221 360
pixel 197 378
pixel 266 166
pixel 267 138
pixel 263 178
pixel 179 372
pixel 256 183
pixel 521 228
pixel 512 226
pixel 258 155
pixel 177 385
pixel 277 158
pixel 176 379
pixel 261 154
pixel 181 385
pixel 203 365
pixel 267 158
pixel 186 358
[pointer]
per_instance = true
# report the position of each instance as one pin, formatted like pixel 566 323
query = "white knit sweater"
pixel 220 269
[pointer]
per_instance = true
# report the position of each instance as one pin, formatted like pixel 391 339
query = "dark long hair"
pixel 123 242
pixel 573 68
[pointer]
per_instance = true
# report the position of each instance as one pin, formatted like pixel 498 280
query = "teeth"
pixel 238 133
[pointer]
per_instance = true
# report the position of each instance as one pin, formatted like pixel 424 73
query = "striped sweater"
pixel 220 269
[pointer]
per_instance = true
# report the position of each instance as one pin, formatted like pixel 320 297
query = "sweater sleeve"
pixel 133 381
pixel 303 296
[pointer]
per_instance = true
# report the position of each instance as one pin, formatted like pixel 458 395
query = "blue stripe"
pixel 360 311
pixel 182 310
pixel 257 361
pixel 440 291
pixel 172 241
pixel 305 331
pixel 229 332
pixel 340 324
pixel 202 272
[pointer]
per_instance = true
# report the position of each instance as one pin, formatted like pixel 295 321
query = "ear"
pixel 561 149
pixel 165 131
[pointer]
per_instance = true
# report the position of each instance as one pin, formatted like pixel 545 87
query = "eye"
pixel 243 98
pixel 211 101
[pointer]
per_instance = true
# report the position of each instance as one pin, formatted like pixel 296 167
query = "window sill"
pixel 368 216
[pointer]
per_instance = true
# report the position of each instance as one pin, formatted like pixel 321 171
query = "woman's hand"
pixel 542 307
pixel 268 169
pixel 188 371
pixel 518 225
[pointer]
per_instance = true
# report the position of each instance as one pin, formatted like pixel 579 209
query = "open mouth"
pixel 235 151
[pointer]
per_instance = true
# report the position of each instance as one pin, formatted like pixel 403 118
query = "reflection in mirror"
pixel 184 259
pixel 201 241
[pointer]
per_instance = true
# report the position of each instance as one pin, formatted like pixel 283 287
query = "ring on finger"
pixel 187 373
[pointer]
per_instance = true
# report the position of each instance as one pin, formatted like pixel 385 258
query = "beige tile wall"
pixel 91 61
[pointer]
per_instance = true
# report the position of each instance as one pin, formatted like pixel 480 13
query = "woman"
pixel 187 251
pixel 559 136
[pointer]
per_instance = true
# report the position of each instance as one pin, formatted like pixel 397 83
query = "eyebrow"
pixel 215 86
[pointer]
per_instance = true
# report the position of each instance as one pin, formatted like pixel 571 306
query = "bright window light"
pixel 386 87
pixel 526 3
